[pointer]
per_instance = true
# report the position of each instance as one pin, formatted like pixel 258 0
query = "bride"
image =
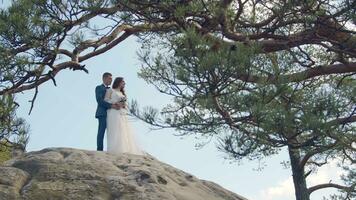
pixel 120 138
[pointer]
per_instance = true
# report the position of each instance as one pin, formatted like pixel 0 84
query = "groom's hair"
pixel 106 74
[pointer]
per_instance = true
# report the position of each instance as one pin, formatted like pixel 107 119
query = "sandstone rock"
pixel 64 173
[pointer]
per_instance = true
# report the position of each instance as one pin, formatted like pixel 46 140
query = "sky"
pixel 63 116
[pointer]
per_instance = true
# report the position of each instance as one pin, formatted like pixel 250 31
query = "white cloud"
pixel 325 174
pixel 284 189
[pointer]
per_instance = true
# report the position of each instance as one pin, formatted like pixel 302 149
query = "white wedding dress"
pixel 120 138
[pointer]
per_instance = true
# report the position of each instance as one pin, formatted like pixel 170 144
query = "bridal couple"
pixel 112 113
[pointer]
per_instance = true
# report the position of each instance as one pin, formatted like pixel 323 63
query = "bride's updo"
pixel 116 84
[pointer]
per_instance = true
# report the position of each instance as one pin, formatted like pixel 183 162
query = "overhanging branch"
pixel 330 185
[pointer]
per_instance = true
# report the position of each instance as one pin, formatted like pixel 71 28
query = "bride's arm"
pixel 100 95
pixel 108 95
pixel 126 105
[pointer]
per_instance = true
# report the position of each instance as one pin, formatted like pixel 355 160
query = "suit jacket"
pixel 100 91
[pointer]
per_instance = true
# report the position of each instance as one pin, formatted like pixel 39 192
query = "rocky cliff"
pixel 63 173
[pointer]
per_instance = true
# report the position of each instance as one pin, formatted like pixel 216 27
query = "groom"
pixel 100 114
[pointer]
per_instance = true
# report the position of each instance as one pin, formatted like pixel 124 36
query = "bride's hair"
pixel 116 84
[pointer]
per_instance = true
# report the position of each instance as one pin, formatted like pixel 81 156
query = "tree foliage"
pixel 14 132
pixel 260 76
pixel 263 77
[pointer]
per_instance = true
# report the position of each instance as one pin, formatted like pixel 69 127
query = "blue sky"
pixel 63 116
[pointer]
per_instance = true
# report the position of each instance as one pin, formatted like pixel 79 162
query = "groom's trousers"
pixel 101 132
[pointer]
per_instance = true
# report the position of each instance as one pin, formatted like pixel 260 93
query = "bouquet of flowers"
pixel 123 100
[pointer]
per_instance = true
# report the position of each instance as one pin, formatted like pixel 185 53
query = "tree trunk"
pixel 300 185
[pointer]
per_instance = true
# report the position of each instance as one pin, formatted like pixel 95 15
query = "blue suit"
pixel 100 114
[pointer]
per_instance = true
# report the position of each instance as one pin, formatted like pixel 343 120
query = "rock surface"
pixel 64 173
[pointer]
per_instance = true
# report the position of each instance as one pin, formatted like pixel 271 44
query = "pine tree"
pixel 260 76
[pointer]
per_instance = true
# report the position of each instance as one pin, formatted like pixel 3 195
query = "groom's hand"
pixel 115 106
pixel 121 105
